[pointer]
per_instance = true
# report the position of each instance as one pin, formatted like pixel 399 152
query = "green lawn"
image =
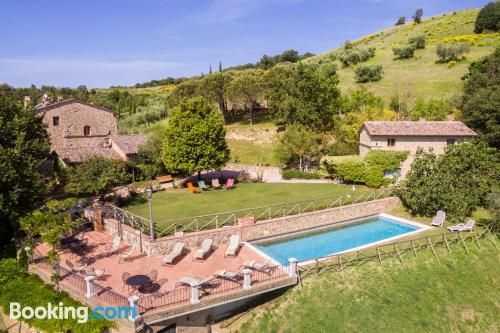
pixel 248 152
pixel 459 294
pixel 173 204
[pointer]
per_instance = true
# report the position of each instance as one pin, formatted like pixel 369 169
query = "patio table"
pixel 138 280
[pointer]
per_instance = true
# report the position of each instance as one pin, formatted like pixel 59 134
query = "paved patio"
pixel 97 257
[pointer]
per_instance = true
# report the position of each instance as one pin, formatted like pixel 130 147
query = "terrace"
pixel 167 299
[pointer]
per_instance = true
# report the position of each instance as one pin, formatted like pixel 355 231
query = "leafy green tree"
pixel 399 103
pixel 493 201
pixel 481 98
pixel 246 90
pixel 303 94
pixel 51 224
pixel 216 86
pixel 298 146
pixel 366 73
pixel 195 138
pixel 149 156
pixel 456 181
pixel 417 18
pixel 24 145
pixel 96 176
pixel 433 109
pixel 488 18
pixel 401 20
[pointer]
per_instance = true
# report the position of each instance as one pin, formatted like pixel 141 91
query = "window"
pixel 86 131
pixel 391 142
pixel 55 121
pixel 450 142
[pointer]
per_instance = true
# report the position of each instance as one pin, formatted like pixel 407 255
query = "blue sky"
pixel 121 42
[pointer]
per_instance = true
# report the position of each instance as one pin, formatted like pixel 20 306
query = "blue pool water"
pixel 325 242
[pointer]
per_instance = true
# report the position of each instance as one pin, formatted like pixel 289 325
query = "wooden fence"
pixel 395 250
pixel 203 222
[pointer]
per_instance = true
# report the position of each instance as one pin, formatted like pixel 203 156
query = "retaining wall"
pixel 266 228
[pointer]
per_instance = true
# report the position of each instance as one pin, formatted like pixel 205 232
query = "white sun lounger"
pixel 194 282
pixel 469 226
pixel 126 256
pixel 176 251
pixel 115 245
pixel 232 247
pixel 438 220
pixel 225 274
pixel 258 266
pixel 205 247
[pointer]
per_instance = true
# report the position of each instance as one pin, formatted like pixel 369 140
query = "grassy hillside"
pixel 459 294
pixel 420 76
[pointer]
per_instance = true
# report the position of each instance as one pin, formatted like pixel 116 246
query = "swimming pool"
pixel 327 241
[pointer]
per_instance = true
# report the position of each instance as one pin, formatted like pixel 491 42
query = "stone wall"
pixel 261 229
pixel 73 117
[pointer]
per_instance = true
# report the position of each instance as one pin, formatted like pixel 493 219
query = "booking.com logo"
pixel 81 314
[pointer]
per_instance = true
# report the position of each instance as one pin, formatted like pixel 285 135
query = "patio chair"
pixel 193 189
pixel 97 273
pixel 115 245
pixel 228 275
pixel 202 185
pixel 233 245
pixel 194 282
pixel 469 226
pixel 229 184
pixel 125 277
pixel 205 247
pixel 153 275
pixel 76 269
pixel 216 184
pixel 438 220
pixel 128 255
pixel 176 252
pixel 258 266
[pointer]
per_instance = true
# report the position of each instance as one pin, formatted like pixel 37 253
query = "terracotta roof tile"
pixel 130 143
pixel 77 155
pixel 418 128
pixel 40 108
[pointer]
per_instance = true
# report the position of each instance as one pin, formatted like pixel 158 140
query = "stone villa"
pixel 411 135
pixel 79 130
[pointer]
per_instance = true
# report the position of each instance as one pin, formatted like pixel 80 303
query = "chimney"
pixel 46 100
pixel 27 101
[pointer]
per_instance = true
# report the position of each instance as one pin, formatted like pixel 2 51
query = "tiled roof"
pixel 418 128
pixel 129 143
pixel 39 108
pixel 77 155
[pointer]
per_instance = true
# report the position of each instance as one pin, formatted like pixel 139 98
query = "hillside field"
pixel 420 76
pixel 458 294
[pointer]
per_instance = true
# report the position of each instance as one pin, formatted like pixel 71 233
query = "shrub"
pixel 401 20
pixel 452 63
pixel 368 73
pixel 352 55
pixel 488 18
pixel 97 175
pixel 448 52
pixel 369 171
pixel 417 41
pixel 404 52
pixel 294 173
